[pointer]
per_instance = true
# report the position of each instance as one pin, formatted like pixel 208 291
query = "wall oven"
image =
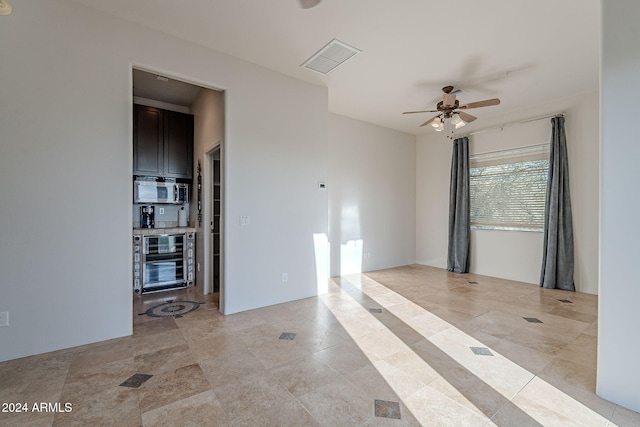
pixel 162 262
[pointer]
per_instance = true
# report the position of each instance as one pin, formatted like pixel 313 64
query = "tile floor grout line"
pixel 613 413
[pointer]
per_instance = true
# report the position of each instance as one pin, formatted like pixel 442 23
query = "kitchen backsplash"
pixel 168 219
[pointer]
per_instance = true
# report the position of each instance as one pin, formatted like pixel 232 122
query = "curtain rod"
pixel 520 122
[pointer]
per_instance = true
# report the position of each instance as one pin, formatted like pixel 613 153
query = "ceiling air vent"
pixel 330 56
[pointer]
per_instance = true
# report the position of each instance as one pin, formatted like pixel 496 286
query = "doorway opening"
pixel 162 91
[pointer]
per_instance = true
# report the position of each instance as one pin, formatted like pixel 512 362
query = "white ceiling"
pixel 525 52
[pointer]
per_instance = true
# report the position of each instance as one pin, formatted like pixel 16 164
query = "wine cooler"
pixel 163 262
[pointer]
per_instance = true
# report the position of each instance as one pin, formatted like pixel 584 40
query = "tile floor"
pixel 405 346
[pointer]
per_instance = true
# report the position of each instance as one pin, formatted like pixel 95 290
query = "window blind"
pixel 508 189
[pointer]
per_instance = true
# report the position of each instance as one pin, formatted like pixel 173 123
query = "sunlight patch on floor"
pixel 426 393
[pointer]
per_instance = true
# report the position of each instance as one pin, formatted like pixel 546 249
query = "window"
pixel 508 189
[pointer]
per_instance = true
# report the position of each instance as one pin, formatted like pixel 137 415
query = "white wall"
pixel 433 169
pixel 208 111
pixel 371 196
pixel 618 339
pixel 65 115
pixel 275 154
pixel 507 254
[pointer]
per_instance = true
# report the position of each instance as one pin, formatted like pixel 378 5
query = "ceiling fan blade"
pixel 5 7
pixel 425 111
pixel 467 118
pixel 485 103
pixel 308 4
pixel 430 120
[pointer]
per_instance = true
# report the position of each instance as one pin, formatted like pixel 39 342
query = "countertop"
pixel 156 231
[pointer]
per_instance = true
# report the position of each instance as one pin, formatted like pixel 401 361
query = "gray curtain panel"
pixel 557 257
pixel 459 215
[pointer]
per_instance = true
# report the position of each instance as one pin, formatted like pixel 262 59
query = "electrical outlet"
pixel 4 319
pixel 244 220
pixel 285 277
pixel 161 211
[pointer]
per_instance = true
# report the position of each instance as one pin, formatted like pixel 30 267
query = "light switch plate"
pixel 4 319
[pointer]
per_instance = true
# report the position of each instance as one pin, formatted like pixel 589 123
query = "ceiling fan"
pixel 5 7
pixel 308 4
pixel 449 109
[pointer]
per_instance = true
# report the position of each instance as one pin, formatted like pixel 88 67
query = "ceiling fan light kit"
pixel 438 124
pixel 457 121
pixel 449 115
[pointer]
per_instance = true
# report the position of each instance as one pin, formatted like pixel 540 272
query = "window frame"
pixel 506 157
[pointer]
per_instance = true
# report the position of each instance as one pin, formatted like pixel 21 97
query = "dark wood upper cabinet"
pixel 178 159
pixel 162 143
pixel 148 141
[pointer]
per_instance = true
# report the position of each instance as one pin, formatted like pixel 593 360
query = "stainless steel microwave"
pixel 160 192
